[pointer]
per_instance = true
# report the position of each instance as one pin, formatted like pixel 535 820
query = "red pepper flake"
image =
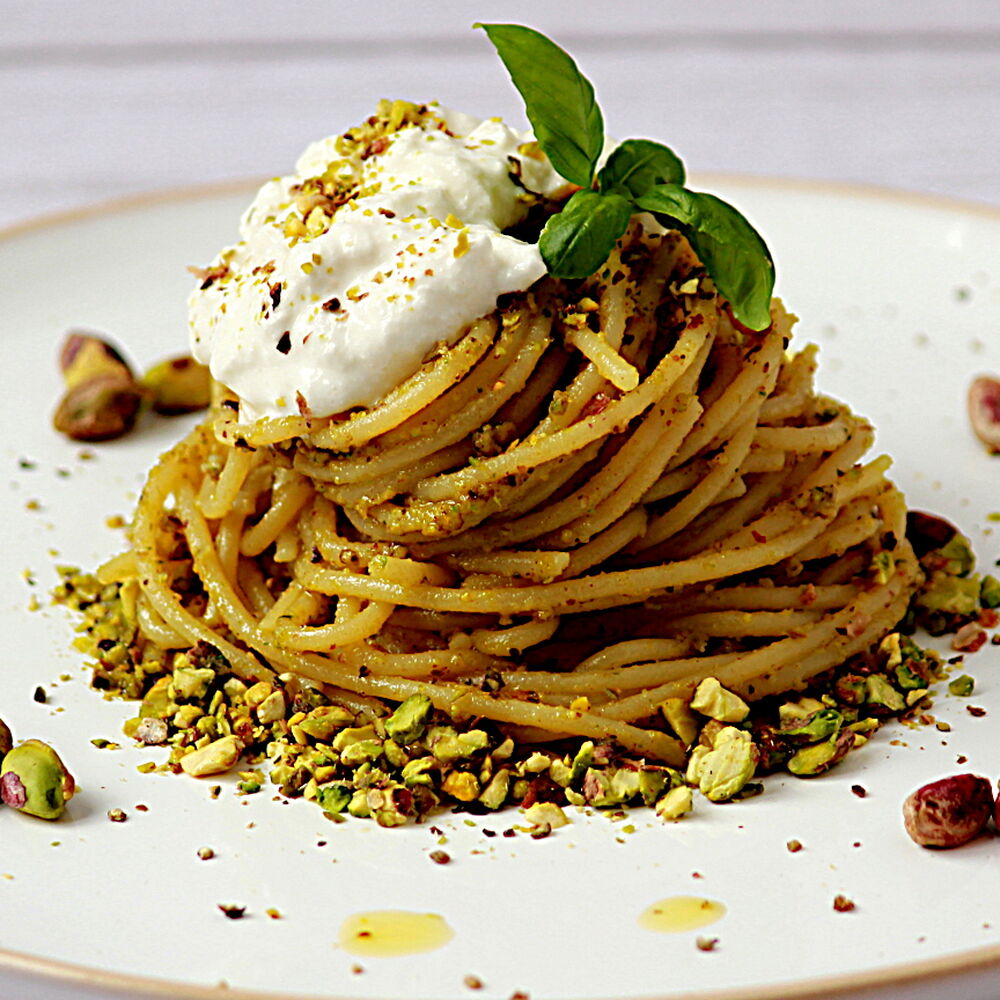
pixel 842 904
pixel 794 846
pixel 357 969
pixel 859 790
pixel 284 344
pixel 703 943
pixel 440 857
pixel 233 912
pixel 473 982
pixel 331 305
pixel 275 292
pixel 758 537
pixel 975 711
pixel 141 807
pixel 388 213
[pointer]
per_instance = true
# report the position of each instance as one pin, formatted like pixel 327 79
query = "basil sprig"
pixel 638 176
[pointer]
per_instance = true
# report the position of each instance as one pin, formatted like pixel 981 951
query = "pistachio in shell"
pixel 949 812
pixel 102 398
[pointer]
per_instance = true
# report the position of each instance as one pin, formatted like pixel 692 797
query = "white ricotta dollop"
pixel 334 319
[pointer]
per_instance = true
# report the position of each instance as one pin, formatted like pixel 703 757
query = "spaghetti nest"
pixel 600 495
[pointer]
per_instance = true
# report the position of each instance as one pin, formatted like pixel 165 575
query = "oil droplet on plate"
pixel 386 933
pixel 681 913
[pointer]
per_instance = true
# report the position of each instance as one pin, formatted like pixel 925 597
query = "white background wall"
pixel 103 98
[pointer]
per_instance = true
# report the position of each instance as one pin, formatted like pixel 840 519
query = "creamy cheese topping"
pixel 381 246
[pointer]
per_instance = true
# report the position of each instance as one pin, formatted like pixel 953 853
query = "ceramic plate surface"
pixel 903 296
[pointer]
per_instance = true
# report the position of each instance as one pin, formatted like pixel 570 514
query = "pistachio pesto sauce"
pixel 384 243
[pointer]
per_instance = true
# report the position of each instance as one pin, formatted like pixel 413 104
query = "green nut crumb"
pixel 962 686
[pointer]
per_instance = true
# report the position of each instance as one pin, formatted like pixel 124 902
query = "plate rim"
pixel 983 958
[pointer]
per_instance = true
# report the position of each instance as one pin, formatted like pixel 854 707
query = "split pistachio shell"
pixel 6 740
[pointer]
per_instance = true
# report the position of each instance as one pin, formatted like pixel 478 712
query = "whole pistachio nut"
pixel 984 410
pixel 949 812
pixel 84 355
pixel 6 740
pixel 99 408
pixel 35 781
pixel 178 385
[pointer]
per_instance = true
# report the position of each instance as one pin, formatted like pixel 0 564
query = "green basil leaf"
pixel 637 165
pixel 558 99
pixel 577 241
pixel 733 252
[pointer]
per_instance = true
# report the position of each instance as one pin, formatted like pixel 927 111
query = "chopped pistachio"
pixel 546 813
pixel 820 757
pixel 215 758
pixel 881 692
pixel 678 715
pixel 712 699
pixel 409 721
pixel 962 686
pixel 989 592
pixel 494 794
pixel 728 766
pixel 461 785
pixel 675 803
pixel 813 728
pixel 191 682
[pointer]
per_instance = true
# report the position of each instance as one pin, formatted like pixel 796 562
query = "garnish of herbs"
pixel 639 176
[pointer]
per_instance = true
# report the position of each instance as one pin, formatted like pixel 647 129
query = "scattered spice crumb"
pixel 859 790
pixel 233 912
pixel 473 982
pixel 117 815
pixel 706 943
pixel 961 759
pixel 794 846
pixel 39 695
pixel 206 853
pixel 321 843
pixel 440 857
pixel 141 807
pixel 357 969
pixel 273 913
pixel 842 904
pixel 215 791
pixel 975 710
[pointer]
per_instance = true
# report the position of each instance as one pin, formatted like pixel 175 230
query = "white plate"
pixel 904 296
